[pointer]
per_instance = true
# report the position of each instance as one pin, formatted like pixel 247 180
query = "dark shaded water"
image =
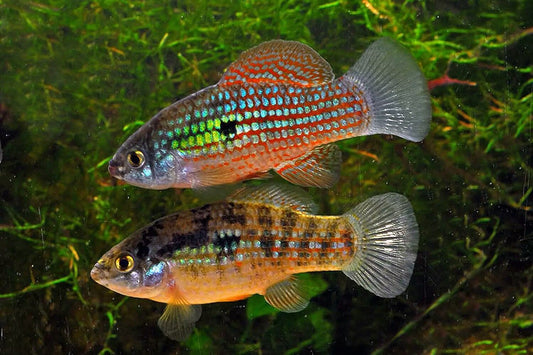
pixel 77 78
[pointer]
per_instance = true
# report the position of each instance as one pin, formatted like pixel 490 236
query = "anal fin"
pixel 288 295
pixel 319 167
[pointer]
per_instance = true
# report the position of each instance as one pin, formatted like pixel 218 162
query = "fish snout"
pixel 98 271
pixel 114 168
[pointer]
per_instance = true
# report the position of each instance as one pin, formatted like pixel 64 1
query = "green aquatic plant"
pixel 77 78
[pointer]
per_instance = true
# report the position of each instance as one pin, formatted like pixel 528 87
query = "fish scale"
pixel 277 107
pixel 266 126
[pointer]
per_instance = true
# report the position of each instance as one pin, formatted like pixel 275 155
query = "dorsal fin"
pixel 278 195
pixel 278 62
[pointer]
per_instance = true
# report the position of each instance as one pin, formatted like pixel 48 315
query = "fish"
pixel 258 241
pixel 277 107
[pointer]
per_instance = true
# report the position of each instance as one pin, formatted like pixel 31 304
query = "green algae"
pixel 77 78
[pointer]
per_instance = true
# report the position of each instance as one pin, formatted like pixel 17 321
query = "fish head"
pixel 129 270
pixel 147 160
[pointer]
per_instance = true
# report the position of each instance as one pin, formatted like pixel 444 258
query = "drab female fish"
pixel 255 243
pixel 277 107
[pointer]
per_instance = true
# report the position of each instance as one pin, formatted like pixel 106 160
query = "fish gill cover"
pixel 77 78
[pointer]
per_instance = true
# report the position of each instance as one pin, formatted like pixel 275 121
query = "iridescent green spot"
pixel 210 125
pixel 194 129
pixel 191 141
pixel 175 144
pixel 216 136
pixel 200 140
pixel 202 126
pixel 208 138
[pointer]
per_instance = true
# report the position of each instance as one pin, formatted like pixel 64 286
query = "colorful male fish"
pixel 277 107
pixel 255 243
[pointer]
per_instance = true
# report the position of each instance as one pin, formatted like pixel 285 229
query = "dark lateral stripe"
pixel 193 240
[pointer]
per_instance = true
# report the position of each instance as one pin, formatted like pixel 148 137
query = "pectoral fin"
pixel 177 322
pixel 320 167
pixel 221 175
pixel 288 295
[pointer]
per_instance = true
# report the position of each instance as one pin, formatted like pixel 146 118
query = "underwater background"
pixel 78 77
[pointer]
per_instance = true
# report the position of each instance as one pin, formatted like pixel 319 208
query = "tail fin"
pixel 395 90
pixel 386 241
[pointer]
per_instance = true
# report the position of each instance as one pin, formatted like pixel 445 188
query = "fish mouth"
pixel 97 272
pixel 114 169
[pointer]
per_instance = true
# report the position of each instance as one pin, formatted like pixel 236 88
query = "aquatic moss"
pixel 77 78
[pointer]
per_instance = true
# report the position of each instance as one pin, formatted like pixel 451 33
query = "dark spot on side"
pixel 288 219
pixel 348 240
pixel 158 224
pixel 229 215
pixel 332 229
pixel 229 128
pixel 265 217
pixel 288 222
pixel 304 245
pixel 147 235
pixel 325 245
pixel 226 245
pixel 142 250
pixel 202 216
pixel 266 243
pixel 311 229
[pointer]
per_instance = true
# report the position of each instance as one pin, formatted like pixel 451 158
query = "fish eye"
pixel 136 159
pixel 124 263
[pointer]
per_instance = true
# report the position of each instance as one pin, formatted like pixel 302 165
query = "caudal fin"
pixel 395 90
pixel 386 244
